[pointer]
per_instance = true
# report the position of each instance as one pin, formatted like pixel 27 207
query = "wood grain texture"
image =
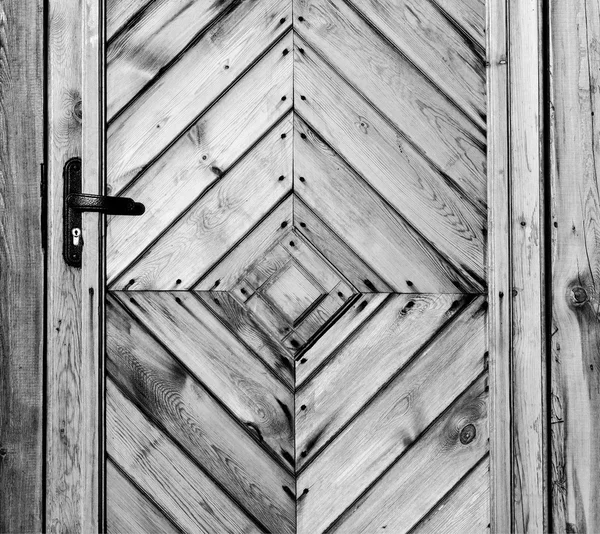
pixel 415 106
pixel 138 54
pixel 438 48
pixel 430 469
pixel 465 509
pixel 119 13
pixel 21 271
pixel 230 371
pixel 392 167
pixel 151 123
pixel 499 268
pixel 219 219
pixel 575 342
pixel 470 15
pixel 354 374
pixel 393 421
pixel 157 465
pixel 228 448
pixel 73 295
pixel 365 221
pixel 198 159
pixel 129 511
pixel 527 249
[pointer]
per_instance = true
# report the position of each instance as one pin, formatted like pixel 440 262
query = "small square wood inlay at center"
pixel 292 292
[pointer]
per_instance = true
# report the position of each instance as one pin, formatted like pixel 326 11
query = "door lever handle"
pixel 75 203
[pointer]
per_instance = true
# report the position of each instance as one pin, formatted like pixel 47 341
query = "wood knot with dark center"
pixel 467 434
pixel 579 295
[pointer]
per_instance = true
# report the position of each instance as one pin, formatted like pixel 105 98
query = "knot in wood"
pixel 579 295
pixel 467 434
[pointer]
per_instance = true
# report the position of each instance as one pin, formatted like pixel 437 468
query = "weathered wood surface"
pixel 575 342
pixel 499 268
pixel 74 295
pixel 527 246
pixel 129 510
pixel 310 269
pixel 21 267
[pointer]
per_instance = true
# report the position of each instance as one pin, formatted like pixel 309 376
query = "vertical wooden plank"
pixel 21 266
pixel 73 295
pixel 526 223
pixel 575 410
pixel 499 266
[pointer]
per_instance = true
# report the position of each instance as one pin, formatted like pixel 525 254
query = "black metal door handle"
pixel 76 202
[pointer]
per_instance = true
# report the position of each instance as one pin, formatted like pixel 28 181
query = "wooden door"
pixel 296 327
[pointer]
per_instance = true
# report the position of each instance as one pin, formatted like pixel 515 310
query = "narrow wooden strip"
pixel 392 167
pixel 499 269
pixel 392 422
pixel 363 219
pixel 228 369
pixel 155 464
pixel 145 48
pixel 364 364
pixel 354 269
pixel 129 511
pixel 219 219
pixel 423 114
pixel 470 17
pixel 248 254
pixel 118 13
pixel 465 509
pixel 436 47
pixel 252 331
pixel 436 463
pixel 22 286
pixel 151 123
pixel 528 357
pixel 167 393
pixel 337 334
pixel 575 203
pixel 74 296
pixel 199 158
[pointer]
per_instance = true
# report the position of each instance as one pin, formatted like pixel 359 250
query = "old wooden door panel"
pixel 295 329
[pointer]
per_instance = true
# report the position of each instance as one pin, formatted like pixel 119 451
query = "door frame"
pixel 517 332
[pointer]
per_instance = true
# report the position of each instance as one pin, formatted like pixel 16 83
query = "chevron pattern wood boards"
pixel 296 327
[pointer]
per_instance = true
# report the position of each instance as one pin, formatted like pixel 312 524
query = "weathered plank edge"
pixel 515 267
pixel 74 297
pixel 499 330
pixel 21 266
pixel 527 226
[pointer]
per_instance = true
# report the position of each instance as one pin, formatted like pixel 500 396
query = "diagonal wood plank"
pixel 433 466
pixel 465 509
pixel 364 220
pixel 158 466
pixel 128 511
pixel 145 48
pixel 436 47
pixel 226 367
pixel 393 421
pixel 327 401
pixel 118 13
pixel 199 158
pixel 330 245
pixel 254 332
pixel 225 275
pixel 150 124
pixel 423 114
pixel 219 219
pixel 469 15
pixel 167 392
pixel 373 148
pixel 335 336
